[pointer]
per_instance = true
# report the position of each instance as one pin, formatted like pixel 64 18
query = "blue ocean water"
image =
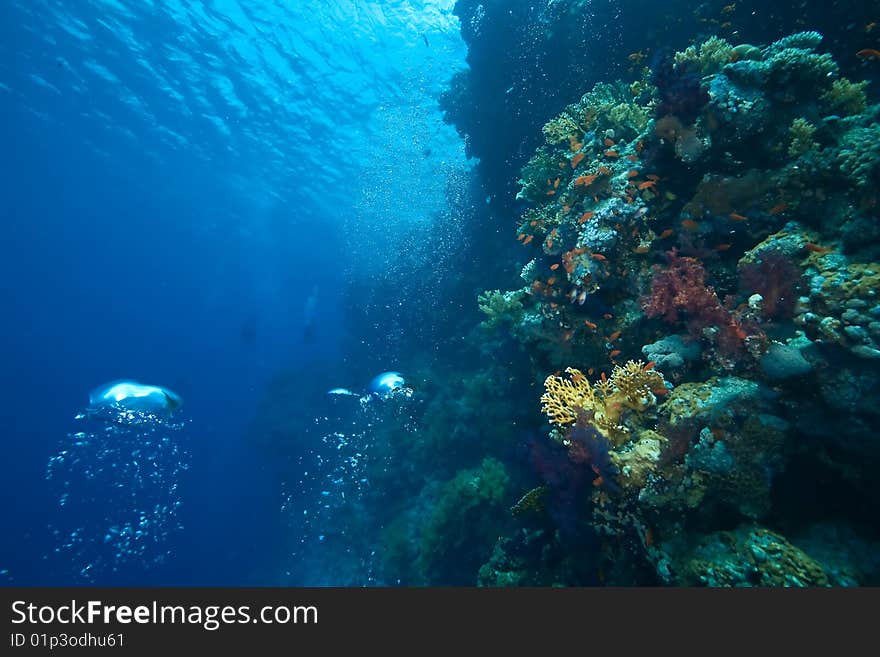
pixel 181 177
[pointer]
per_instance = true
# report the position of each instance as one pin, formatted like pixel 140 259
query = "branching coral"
pixel 801 132
pixel 859 156
pixel 630 386
pixel 500 307
pixel 560 128
pixel 713 54
pixel 846 97
pixel 789 61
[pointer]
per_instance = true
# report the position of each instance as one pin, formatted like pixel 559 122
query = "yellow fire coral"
pixel 630 386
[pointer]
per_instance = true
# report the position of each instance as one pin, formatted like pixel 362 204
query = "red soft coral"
pixel 679 294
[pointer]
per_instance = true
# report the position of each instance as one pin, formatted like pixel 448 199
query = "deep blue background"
pixel 179 177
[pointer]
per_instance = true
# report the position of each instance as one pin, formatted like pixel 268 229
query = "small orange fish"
pixel 521 237
pixel 868 53
pixel 551 280
pixel 528 239
pixel 590 325
pixel 556 183
pixel 586 216
pixel 586 181
pixel 779 207
pixel 590 371
pixel 576 159
pixel 605 171
pixel 640 146
pixel 613 336
pixel 632 158
pixel 653 176
pixel 609 142
pixel 815 248
pixel 641 249
pixel 554 266
pixel 666 233
pixel 633 173
pixel 722 247
pixel 610 153
pixel 737 217
pixel 598 256
pixel 649 365
pixel 613 353
pixel 647 184
pixel 690 224
pixel 660 391
pixel 551 192
pixel 607 316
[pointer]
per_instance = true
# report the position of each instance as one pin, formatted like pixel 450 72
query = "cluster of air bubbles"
pixel 328 506
pixel 116 482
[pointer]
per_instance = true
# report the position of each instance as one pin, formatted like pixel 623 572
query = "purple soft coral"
pixel 776 279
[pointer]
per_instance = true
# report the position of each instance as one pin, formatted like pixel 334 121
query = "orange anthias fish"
pixel 610 153
pixel 868 53
pixel 666 233
pixel 554 266
pixel 586 181
pixel 737 217
pixel 609 142
pixel 690 224
pixel 779 207
pixel 576 159
pixel 815 248
pixel 647 184
pixel 586 216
